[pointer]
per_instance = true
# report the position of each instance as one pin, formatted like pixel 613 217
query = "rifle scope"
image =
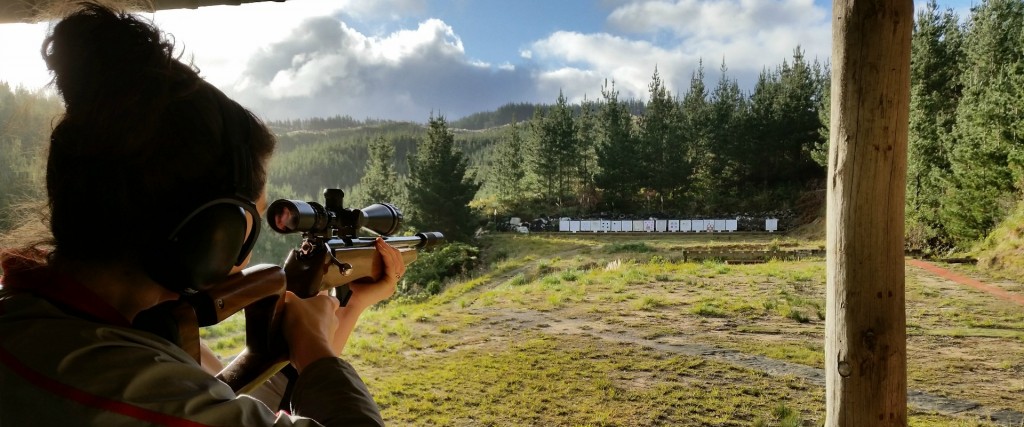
pixel 332 218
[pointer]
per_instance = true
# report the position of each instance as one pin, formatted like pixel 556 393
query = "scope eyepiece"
pixel 293 216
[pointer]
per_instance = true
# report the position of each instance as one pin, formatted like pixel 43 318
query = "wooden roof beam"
pixel 29 11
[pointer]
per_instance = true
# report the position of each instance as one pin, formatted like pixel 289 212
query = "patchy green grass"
pixel 226 338
pixel 573 329
pixel 525 381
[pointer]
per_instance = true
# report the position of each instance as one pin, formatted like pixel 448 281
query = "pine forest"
pixel 708 149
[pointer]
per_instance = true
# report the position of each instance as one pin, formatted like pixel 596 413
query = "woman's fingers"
pixel 394 266
pixel 309 325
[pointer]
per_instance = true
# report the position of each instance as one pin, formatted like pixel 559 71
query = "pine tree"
pixel 727 113
pixel 786 126
pixel 586 153
pixel 695 145
pixel 379 183
pixel 820 151
pixel 763 129
pixel 661 149
pixel 798 102
pixel 554 150
pixel 507 172
pixel 934 94
pixel 619 167
pixel 439 188
pixel 981 189
pixel 1016 113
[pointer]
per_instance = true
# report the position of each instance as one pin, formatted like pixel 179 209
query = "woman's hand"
pixel 310 325
pixel 316 327
pixel 367 294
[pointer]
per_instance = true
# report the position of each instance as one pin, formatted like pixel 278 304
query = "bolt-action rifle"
pixel 330 256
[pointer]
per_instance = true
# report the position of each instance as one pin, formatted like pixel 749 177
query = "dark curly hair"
pixel 144 139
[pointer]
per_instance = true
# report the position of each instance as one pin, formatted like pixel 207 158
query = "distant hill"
pixel 325 123
pixel 521 112
pixel 307 159
pixel 508 113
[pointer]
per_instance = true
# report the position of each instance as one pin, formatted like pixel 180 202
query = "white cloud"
pixel 747 34
pixel 433 35
pixel 221 45
pixel 305 58
pixel 597 57
pixel 716 18
pixel 324 52
pixel 574 83
pixel 219 39
pixel 325 67
pixel 382 9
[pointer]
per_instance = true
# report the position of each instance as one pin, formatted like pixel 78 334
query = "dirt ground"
pixel 965 346
pixel 977 366
pixel 972 371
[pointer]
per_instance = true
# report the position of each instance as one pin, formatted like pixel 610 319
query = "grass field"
pixel 617 330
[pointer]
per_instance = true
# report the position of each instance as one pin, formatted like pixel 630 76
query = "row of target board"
pixel 657 225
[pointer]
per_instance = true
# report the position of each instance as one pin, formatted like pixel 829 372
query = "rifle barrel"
pixel 419 241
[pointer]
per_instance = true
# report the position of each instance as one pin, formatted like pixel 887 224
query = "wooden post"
pixel 865 336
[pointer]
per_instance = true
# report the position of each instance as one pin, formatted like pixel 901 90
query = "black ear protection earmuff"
pixel 207 243
pixel 212 239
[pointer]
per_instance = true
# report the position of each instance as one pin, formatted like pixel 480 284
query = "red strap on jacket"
pixel 32 276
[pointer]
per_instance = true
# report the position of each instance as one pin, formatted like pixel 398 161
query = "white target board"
pixel 563 224
pixel 771 224
pixel 661 225
pixel 616 226
pixel 731 225
pixel 697 225
pixel 627 225
pixel 585 225
pixel 684 225
pixel 719 225
pixel 638 226
pixel 673 225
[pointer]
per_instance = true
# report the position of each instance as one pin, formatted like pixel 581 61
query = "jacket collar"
pixel 34 277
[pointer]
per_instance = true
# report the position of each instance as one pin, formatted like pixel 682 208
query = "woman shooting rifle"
pixel 184 168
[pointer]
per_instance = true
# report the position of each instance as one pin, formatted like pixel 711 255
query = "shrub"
pixel 708 309
pixel 640 247
pixel 518 280
pixel 570 275
pixel 432 269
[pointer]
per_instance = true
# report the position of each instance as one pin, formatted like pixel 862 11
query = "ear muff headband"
pixel 205 244
pixel 238 142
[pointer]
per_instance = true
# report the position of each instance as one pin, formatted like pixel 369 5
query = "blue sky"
pixel 407 59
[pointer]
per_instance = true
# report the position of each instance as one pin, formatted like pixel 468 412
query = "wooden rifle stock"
pixel 259 290
pixel 317 266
